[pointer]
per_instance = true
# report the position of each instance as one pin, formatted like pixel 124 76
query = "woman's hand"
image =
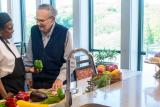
pixel 3 92
pixel 9 94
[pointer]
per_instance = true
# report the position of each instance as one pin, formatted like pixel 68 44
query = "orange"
pixel 115 72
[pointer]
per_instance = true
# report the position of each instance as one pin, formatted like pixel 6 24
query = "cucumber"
pixel 51 100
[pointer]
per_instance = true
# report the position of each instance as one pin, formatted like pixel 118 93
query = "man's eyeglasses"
pixel 41 20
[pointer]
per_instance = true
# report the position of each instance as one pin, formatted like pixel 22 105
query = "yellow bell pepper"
pixel 22 103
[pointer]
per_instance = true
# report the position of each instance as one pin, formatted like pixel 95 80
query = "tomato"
pixel 22 96
pixel 11 102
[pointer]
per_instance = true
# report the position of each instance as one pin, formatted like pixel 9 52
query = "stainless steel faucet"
pixel 68 75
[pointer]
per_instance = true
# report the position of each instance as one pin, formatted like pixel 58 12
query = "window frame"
pixel 140 35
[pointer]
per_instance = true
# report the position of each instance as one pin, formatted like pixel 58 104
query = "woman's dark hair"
pixel 4 18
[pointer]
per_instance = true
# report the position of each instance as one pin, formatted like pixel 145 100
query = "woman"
pixel 12 71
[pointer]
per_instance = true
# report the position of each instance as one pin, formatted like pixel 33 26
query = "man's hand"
pixel 57 84
pixel 31 70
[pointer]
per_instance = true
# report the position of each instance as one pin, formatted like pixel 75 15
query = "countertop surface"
pixel 137 89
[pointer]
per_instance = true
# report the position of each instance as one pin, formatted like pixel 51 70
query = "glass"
pixel 107 24
pixel 151 25
pixel 151 41
pixel 65 13
pixel 45 1
pixel 3 5
pixel 30 13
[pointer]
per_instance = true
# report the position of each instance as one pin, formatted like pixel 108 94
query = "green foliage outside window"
pixel 66 21
pixel 151 40
pixel 149 35
pixel 152 36
pixel 105 55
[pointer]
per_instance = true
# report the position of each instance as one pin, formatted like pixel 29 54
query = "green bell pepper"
pixel 38 64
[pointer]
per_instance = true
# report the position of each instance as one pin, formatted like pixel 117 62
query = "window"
pixel 45 1
pixel 151 41
pixel 65 13
pixel 16 18
pixel 3 5
pixel 30 14
pixel 151 26
pixel 105 27
pixel 107 19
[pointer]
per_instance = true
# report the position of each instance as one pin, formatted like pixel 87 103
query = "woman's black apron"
pixel 14 82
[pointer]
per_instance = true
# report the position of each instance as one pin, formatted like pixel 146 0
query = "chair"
pixel 85 67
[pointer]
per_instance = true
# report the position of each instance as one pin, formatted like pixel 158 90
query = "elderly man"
pixel 51 43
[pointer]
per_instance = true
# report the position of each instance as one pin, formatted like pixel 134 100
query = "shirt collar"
pixel 50 32
pixel 6 40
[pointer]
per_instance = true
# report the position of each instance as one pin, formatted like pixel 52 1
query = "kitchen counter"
pixel 136 89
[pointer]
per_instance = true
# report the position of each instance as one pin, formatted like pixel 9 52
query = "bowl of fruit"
pixel 111 70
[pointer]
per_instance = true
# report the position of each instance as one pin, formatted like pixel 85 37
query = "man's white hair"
pixel 50 8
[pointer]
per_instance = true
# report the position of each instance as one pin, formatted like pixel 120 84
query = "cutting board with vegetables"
pixel 35 98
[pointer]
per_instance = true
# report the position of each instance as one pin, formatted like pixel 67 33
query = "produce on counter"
pixel 54 98
pixel 2 105
pixel 22 103
pixel 107 69
pixel 38 96
pixel 41 97
pixel 47 98
pixel 38 64
pixel 154 59
pixel 11 102
pixel 22 96
pixel 51 100
pixel 107 74
pixel 157 54
pixel 101 80
pixel 60 93
pixel 101 68
pixel 111 67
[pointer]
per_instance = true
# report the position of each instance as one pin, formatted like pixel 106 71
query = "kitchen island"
pixel 137 89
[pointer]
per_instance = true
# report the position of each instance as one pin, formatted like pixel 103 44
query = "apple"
pixel 107 67
pixel 115 66
pixel 101 68
pixel 157 54
pixel 111 67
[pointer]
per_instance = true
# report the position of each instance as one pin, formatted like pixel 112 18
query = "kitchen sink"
pixel 93 105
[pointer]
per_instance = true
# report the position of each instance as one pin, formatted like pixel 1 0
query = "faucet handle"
pixel 70 99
